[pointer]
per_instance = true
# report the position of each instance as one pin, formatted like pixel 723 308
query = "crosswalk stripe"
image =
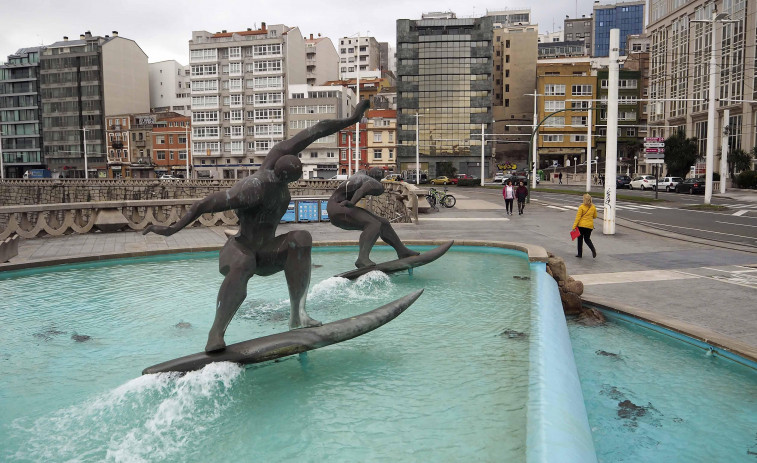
pixel 740 213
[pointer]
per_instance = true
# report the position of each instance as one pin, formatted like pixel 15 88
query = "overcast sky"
pixel 163 28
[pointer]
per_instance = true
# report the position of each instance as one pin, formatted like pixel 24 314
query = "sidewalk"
pixel 701 289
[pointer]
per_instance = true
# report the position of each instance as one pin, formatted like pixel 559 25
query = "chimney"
pixel 311 36
pixel 262 26
pixel 88 34
pixel 249 29
pixel 223 31
pixel 81 36
pixel 65 38
pixel 319 34
pixel 115 33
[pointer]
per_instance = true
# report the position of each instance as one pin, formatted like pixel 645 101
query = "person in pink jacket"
pixel 508 192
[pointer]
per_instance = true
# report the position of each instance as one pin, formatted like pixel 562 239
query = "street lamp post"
pixel 86 169
pixel 635 169
pixel 417 151
pixel 186 142
pixel 575 166
pixel 710 153
pixel 483 149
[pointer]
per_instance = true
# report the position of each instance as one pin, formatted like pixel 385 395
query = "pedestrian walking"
pixel 521 192
pixel 585 216
pixel 508 192
pixel 560 178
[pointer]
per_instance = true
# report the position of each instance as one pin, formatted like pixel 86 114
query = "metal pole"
pixel 186 142
pixel 357 124
pixel 724 152
pixel 588 151
pixel 483 146
pixel 710 153
pixel 417 152
pixel 611 155
pixel 349 154
pixel 86 170
pixel 534 142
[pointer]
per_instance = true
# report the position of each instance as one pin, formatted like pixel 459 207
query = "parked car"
pixel 668 183
pixel 393 178
pixel 168 177
pixel 466 176
pixel 443 180
pixel 623 181
pixel 643 182
pixel 499 177
pixel 691 186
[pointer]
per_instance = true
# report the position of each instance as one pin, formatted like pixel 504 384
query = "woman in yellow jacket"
pixel 585 216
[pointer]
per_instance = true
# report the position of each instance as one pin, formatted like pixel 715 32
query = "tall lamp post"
pixel 86 169
pixel 575 166
pixel 635 169
pixel 186 141
pixel 710 153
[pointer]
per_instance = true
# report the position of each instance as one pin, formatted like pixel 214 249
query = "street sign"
pixel 654 145
pixel 654 140
pixel 654 150
pixel 655 161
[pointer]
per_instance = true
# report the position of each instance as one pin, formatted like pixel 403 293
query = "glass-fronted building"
pixel 444 75
pixel 628 17
pixel 20 139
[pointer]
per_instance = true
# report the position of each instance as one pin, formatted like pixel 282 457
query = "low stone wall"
pixel 397 204
pixel 20 192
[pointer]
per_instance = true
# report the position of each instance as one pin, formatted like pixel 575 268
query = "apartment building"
pixel 369 86
pixel 238 84
pixel 679 71
pixel 381 128
pixel 81 82
pixel 563 138
pixel 20 113
pixel 515 56
pixel 353 156
pixel 579 29
pixel 358 54
pixel 170 87
pixel 322 60
pixel 306 106
pixel 505 18
pixel 444 88
pixel 626 16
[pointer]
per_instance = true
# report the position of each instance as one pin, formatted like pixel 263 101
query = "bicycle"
pixel 435 196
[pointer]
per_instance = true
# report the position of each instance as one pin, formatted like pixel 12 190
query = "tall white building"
pixel 679 75
pixel 358 53
pixel 307 106
pixel 238 85
pixel 170 87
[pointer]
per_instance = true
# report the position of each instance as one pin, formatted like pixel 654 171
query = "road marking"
pixel 739 224
pixel 737 280
pixel 740 213
pixel 463 219
pixel 632 277
pixel 696 229
pixel 558 208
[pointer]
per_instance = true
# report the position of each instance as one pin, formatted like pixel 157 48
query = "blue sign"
pixel 324 212
pixel 307 211
pixel 291 214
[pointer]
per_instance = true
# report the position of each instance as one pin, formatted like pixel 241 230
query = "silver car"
pixel 642 182
pixel 669 183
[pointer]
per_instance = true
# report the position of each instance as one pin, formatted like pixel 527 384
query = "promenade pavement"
pixel 702 289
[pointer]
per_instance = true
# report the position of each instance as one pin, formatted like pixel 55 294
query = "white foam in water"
pixel 371 286
pixel 149 418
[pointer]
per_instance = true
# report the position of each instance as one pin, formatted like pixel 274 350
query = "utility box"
pixel 307 210
pixel 291 214
pixel 324 210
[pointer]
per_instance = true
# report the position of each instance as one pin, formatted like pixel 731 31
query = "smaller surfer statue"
pixel 260 201
pixel 344 213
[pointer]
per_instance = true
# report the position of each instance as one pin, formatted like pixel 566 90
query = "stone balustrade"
pixel 397 204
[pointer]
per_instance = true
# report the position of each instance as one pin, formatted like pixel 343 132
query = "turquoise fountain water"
pixel 446 381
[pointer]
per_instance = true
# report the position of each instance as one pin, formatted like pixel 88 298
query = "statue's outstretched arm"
pixel 303 139
pixel 215 202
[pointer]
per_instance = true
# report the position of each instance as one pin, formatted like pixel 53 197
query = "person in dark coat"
pixel 520 194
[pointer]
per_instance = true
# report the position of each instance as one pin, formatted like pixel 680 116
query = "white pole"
pixel 349 154
pixel 357 124
pixel 710 153
pixel 588 151
pixel 724 152
pixel 534 140
pixel 611 155
pixel 186 141
pixel 86 170
pixel 483 146
pixel 417 152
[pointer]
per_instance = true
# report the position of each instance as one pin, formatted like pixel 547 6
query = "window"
pixel 551 138
pixel 555 121
pixel 554 89
pixel 235 52
pixel 631 132
pixel 377 137
pixel 204 116
pixel 581 90
pixel 170 139
pixel 578 138
pixel 578 120
pixel 551 106
pixel 376 154
pixel 313 154
pixel 159 139
pixel 391 153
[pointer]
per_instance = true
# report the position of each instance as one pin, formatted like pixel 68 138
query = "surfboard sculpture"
pixel 291 342
pixel 400 264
